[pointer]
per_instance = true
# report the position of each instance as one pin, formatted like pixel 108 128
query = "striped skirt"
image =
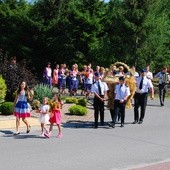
pixel 22 109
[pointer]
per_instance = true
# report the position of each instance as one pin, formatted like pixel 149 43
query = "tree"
pixel 86 19
pixel 156 46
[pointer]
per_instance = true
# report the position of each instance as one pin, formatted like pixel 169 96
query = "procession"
pixel 84 84
pixel 117 88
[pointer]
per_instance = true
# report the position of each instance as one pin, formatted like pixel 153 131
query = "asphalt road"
pixel 85 148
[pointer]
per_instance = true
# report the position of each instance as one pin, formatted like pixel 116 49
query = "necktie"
pixel 164 78
pixel 99 88
pixel 141 84
pixel 120 91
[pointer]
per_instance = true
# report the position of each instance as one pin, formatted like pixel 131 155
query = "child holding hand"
pixel 44 116
pixel 55 116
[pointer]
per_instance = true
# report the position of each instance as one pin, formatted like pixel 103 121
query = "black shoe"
pixel 140 122
pixel 102 123
pixel 162 104
pixel 95 126
pixel 111 125
pixel 28 130
pixel 122 125
pixel 135 122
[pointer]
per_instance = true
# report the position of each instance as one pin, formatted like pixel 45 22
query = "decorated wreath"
pixel 112 80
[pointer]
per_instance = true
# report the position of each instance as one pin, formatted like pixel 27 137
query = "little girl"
pixel 44 116
pixel 55 116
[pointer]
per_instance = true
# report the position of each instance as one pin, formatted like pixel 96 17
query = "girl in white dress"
pixel 44 115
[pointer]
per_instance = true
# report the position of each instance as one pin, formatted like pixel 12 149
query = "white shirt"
pixel 45 108
pixel 103 86
pixel 161 77
pixel 136 74
pixel 121 91
pixel 147 84
pixel 44 117
pixel 89 80
pixel 149 75
pixel 49 71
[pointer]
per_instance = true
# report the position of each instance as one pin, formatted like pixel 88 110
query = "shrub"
pixel 14 73
pixel 7 108
pixel 3 89
pixel 42 90
pixel 71 100
pixel 78 110
pixel 82 102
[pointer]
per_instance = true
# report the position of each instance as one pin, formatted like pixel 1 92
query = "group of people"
pixel 144 86
pixel 96 86
pixel 62 77
pixel 46 114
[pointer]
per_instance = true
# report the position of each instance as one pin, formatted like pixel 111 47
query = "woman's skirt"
pixel 22 109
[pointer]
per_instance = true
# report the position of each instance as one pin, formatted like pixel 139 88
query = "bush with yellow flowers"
pixel 36 104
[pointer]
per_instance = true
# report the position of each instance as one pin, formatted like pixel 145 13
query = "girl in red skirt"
pixel 55 116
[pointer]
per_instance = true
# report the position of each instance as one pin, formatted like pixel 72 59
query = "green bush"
pixel 78 110
pixel 82 102
pixel 7 108
pixel 71 100
pixel 41 91
pixel 3 89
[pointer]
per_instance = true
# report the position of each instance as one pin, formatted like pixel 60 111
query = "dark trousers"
pixel 162 92
pixel 119 108
pixel 140 101
pixel 112 112
pixel 47 80
pixel 98 107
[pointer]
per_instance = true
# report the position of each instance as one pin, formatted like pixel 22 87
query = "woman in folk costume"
pixel 62 79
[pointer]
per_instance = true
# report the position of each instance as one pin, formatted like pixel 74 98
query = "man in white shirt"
pixel 149 74
pixel 164 79
pixel 99 89
pixel 121 94
pixel 140 97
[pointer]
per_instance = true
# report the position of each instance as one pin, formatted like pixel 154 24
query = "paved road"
pixel 84 148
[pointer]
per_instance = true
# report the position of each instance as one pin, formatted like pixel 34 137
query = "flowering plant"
pixel 36 104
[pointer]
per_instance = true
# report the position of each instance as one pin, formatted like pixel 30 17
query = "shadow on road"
pixel 153 105
pixel 78 124
pixel 6 132
pixel 87 124
pixel 9 134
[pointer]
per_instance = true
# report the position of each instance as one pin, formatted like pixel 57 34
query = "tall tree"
pixel 86 20
pixel 157 44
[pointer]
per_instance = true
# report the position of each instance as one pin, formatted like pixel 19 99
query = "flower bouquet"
pixel 54 105
pixel 87 74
